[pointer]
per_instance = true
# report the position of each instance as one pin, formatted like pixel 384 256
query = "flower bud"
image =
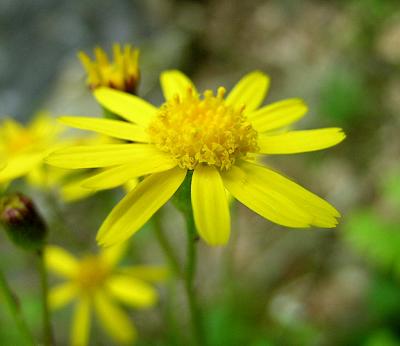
pixel 22 222
pixel 120 72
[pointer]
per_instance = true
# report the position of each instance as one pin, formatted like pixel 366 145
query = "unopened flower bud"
pixel 120 72
pixel 22 222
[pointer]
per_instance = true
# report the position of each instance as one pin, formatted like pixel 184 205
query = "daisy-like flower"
pixel 24 147
pixel 96 284
pixel 214 137
pixel 121 73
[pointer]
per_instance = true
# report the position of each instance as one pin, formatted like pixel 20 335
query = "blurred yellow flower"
pixel 214 137
pixel 122 73
pixel 69 185
pixel 96 284
pixel 24 148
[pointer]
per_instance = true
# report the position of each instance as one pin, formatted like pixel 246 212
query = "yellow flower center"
pixel 203 130
pixel 92 274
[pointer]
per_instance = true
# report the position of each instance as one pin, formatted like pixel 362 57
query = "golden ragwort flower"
pixel 122 73
pixel 24 148
pixel 96 284
pixel 215 137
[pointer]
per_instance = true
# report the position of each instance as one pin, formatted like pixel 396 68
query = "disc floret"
pixel 203 130
pixel 92 273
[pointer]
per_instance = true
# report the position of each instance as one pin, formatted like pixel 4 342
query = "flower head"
pixel 96 284
pixel 24 147
pixel 213 136
pixel 122 73
pixel 196 130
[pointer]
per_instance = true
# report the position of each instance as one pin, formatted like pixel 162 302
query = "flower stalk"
pixel 166 246
pixel 47 330
pixel 182 201
pixel 190 273
pixel 15 310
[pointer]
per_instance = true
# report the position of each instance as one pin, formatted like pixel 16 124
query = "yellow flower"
pixel 213 136
pixel 95 284
pixel 122 73
pixel 24 148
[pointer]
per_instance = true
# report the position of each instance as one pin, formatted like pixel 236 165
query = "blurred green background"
pixel 270 285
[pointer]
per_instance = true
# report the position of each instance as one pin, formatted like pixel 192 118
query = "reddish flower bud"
pixel 22 222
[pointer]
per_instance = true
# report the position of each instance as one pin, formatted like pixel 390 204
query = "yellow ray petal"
pixel 61 295
pixel 323 214
pixel 210 205
pixel 44 125
pixel 81 323
pixel 263 200
pixel 174 82
pixel 113 254
pixel 116 176
pixel 20 165
pixel 249 91
pixel 113 128
pixel 61 262
pixel 73 191
pixel 278 114
pixel 129 107
pixel 113 319
pixel 93 156
pixel 132 291
pixel 279 199
pixel 131 184
pixel 147 273
pixel 300 141
pixel 10 128
pixel 139 205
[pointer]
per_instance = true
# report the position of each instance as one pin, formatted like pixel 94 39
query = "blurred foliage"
pixel 343 97
pixel 376 239
pixel 391 189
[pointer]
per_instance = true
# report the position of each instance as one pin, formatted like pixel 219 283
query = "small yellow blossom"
pixel 96 284
pixel 24 148
pixel 214 137
pixel 122 73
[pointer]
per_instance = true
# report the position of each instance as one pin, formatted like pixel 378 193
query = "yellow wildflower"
pixel 24 148
pixel 95 284
pixel 122 73
pixel 214 137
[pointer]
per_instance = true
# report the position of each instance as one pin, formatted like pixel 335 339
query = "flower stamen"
pixel 203 130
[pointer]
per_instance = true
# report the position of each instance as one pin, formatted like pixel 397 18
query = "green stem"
pixel 14 307
pixel 173 263
pixel 189 279
pixel 165 245
pixel 47 331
